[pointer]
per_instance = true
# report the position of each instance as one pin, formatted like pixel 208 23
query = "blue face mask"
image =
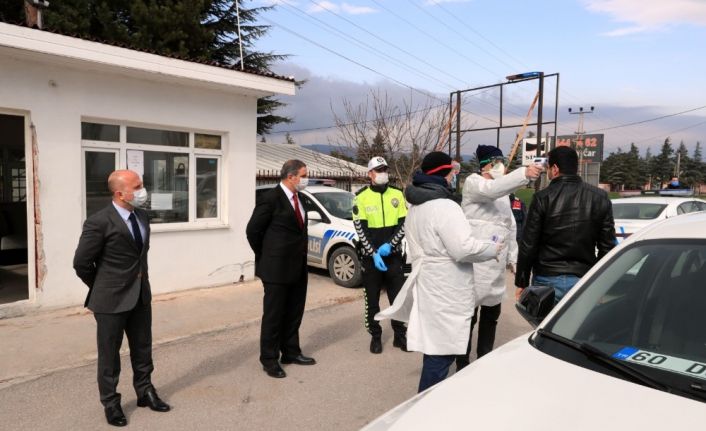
pixel 453 182
pixel 675 183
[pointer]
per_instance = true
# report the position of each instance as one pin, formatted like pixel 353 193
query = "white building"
pixel 71 111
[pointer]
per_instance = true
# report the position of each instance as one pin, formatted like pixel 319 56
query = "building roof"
pixel 46 46
pixel 271 157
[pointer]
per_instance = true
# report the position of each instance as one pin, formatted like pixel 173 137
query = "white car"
pixel 625 349
pixel 632 214
pixel 332 237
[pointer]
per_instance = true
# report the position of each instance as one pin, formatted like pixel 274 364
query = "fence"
pixel 350 183
pixel 590 173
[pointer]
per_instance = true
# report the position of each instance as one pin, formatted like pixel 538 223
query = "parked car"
pixel 332 237
pixel 625 349
pixel 632 214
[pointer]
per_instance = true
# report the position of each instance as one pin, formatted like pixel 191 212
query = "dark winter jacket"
pixel 427 187
pixel 565 225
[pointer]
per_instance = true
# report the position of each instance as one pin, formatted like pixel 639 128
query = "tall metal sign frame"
pixel 511 80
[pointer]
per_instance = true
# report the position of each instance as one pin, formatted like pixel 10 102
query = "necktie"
pixel 136 231
pixel 297 213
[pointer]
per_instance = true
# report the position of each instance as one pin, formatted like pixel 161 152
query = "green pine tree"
pixel 692 173
pixel 200 30
pixel 662 165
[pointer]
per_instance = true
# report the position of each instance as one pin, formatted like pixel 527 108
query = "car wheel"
pixel 344 267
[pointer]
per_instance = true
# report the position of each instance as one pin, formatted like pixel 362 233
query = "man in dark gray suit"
pixel 277 233
pixel 111 259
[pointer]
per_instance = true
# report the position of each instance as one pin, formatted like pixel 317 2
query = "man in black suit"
pixel 277 233
pixel 111 259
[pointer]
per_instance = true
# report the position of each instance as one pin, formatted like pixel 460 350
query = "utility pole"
pixel 240 38
pixel 33 13
pixel 579 136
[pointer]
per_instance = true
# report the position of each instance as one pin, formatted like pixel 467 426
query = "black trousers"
pixel 486 333
pixel 283 309
pixel 373 281
pixel 137 325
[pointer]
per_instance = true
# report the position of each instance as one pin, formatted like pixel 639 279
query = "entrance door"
pixel 14 283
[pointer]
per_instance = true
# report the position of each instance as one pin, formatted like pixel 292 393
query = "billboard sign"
pixel 589 147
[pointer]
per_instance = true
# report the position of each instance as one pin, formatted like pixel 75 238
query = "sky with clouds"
pixel 631 59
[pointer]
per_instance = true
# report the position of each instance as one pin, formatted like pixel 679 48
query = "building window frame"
pixel 122 147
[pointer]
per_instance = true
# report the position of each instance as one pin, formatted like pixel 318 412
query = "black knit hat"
pixel 437 163
pixel 484 153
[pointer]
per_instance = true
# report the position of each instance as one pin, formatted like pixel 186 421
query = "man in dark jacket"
pixel 565 225
pixel 519 211
pixel 111 259
pixel 277 233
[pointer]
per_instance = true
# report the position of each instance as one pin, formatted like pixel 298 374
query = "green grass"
pixel 525 195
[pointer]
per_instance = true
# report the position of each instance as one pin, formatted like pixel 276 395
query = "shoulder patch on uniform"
pixel 395 202
pixel 355 209
pixel 361 190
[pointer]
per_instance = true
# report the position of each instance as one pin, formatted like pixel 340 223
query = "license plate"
pixel 665 362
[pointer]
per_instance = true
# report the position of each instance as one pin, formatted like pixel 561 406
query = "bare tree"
pixel 402 134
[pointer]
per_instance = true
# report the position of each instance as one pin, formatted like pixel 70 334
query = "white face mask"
pixel 139 198
pixel 497 171
pixel 303 182
pixel 381 178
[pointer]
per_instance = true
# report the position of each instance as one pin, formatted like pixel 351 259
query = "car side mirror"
pixel 314 216
pixel 535 303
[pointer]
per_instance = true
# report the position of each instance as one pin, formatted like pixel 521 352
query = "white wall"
pixel 58 96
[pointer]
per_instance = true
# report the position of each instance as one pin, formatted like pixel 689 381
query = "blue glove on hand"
pixel 385 249
pixel 379 264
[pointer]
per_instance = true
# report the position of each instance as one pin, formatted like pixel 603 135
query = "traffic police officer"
pixel 379 211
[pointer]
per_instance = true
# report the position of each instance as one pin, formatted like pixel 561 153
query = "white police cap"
pixel 375 163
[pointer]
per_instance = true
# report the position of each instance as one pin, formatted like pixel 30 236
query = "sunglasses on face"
pixel 381 169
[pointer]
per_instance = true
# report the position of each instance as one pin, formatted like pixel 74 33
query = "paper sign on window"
pixel 136 161
pixel 162 201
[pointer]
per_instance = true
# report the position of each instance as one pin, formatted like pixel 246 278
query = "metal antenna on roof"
pixel 240 40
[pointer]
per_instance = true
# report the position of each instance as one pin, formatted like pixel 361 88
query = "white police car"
pixel 633 214
pixel 332 237
pixel 624 349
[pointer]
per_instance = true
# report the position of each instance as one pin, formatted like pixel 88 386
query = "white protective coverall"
pixel 438 299
pixel 487 208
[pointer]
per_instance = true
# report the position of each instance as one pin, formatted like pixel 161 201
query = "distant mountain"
pixel 326 149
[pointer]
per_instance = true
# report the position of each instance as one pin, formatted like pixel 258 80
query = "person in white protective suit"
pixel 438 298
pixel 487 208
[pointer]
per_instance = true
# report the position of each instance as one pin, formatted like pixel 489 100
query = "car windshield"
pixel 338 204
pixel 647 308
pixel 637 211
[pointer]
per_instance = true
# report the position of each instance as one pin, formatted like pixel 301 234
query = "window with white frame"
pixel 181 170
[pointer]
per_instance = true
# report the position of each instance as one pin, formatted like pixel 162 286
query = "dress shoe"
pixel 401 342
pixel 274 371
pixel 151 399
pixel 115 416
pixel 376 345
pixel 299 360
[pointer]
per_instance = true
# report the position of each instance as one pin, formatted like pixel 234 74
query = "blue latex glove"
pixel 385 249
pixel 379 264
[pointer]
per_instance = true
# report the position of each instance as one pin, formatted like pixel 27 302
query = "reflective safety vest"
pixel 378 218
pixel 379 210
